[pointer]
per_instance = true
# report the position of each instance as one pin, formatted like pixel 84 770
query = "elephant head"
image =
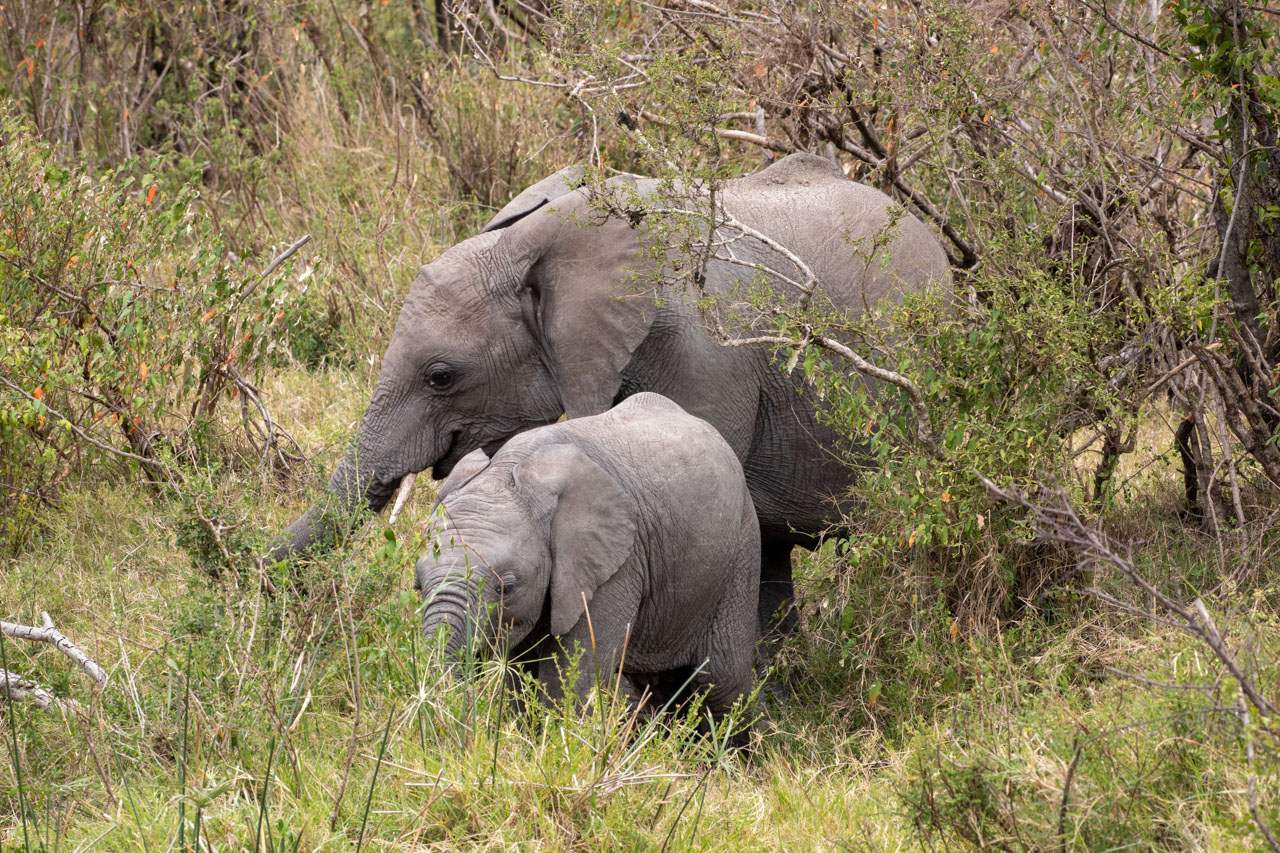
pixel 520 541
pixel 505 331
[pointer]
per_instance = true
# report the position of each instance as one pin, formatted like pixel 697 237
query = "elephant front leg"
pixel 591 653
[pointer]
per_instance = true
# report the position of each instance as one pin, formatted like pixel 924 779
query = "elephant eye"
pixel 439 377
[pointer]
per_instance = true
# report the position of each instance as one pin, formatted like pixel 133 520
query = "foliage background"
pixel 1104 177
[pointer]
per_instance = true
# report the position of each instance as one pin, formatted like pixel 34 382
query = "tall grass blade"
pixel 364 819
pixel 182 765
pixel 133 807
pixel 266 789
pixel 17 764
pixel 417 686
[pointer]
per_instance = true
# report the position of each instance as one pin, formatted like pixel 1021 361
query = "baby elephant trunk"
pixel 454 603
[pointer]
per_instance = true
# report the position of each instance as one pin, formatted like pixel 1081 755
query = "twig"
pixel 1066 799
pixel 80 432
pixel 271 267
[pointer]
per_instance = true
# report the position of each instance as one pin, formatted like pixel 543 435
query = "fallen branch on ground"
pixel 14 687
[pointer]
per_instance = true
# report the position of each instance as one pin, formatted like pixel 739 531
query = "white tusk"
pixel 406 486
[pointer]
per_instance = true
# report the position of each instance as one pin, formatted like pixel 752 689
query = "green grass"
pixel 298 700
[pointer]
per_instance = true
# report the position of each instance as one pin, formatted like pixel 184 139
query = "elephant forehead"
pixel 484 506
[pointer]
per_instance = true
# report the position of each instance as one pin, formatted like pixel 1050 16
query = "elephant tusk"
pixel 406 486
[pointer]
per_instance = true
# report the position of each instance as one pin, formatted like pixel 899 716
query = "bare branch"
pixel 51 635
pixel 15 688
pixel 1063 525
pixel 84 435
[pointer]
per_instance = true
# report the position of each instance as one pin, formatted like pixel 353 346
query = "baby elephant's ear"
pixel 464 472
pixel 593 526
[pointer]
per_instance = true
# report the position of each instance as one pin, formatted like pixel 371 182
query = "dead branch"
pixel 1061 524
pixel 54 637
pixel 15 688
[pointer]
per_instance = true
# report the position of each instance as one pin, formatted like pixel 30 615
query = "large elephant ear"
pixel 593 526
pixel 589 300
pixel 463 472
pixel 540 194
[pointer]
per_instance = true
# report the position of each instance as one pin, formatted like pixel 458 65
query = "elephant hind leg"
pixel 729 650
pixel 777 617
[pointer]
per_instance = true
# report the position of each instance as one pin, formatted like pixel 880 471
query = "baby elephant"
pixel 631 533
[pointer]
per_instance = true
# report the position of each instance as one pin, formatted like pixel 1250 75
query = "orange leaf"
pixel 995 49
pixel 40 421
pixel 72 262
pixel 38 393
pixel 206 316
pixel 760 69
pixel 946 497
pixel 911 540
pixel 40 43
pixel 279 317
pixel 151 195
pixel 98 415
pixel 142 371
pixel 125 117
pixel 955 629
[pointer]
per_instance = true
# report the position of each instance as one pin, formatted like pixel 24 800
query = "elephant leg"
pixel 777 618
pixel 730 662
pixel 601 636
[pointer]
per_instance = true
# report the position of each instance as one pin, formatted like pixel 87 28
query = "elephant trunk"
pixel 453 605
pixel 394 441
pixel 352 488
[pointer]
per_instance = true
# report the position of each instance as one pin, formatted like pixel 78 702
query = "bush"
pixel 124 322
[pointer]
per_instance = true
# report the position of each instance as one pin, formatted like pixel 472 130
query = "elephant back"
pixel 841 228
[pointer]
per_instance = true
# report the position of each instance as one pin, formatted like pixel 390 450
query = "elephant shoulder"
pixel 797 169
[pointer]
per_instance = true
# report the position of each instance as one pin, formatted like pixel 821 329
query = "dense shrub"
pixel 126 321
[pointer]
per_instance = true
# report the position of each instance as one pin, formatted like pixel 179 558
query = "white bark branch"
pixel 15 688
pixel 54 637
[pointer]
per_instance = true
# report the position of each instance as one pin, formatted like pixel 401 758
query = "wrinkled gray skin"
pixel 642 511
pixel 539 316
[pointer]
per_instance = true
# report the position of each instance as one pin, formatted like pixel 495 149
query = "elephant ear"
pixel 588 299
pixel 542 193
pixel 463 472
pixel 593 526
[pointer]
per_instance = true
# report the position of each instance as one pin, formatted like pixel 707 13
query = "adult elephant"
pixel 553 310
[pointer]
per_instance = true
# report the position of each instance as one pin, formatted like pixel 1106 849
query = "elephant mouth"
pixel 448 459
